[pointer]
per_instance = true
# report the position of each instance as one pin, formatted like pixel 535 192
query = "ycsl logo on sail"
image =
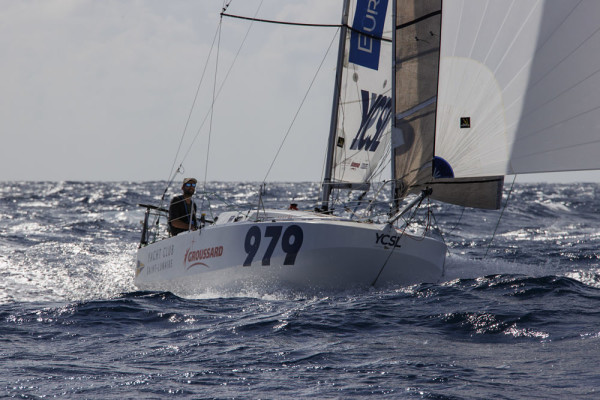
pixel 363 100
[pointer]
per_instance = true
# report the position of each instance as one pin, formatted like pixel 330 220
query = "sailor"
pixel 182 208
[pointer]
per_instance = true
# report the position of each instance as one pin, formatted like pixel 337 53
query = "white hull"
pixel 287 253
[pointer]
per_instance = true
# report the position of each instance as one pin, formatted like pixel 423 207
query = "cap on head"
pixel 189 180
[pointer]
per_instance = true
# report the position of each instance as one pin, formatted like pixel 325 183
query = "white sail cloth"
pixel 364 113
pixel 519 86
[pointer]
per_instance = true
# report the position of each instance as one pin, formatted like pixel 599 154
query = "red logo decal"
pixel 195 257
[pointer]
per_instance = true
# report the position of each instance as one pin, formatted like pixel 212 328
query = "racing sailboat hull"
pixel 295 254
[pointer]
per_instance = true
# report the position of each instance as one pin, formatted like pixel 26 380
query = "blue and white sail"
pixel 362 131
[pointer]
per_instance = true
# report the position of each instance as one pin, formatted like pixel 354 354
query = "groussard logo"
pixel 195 258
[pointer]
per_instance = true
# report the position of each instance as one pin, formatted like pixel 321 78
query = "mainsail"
pixel 519 88
pixel 418 30
pixel 363 113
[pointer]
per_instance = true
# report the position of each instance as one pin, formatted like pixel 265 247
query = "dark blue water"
pixel 523 322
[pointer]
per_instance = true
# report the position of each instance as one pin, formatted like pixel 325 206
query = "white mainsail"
pixel 365 92
pixel 519 86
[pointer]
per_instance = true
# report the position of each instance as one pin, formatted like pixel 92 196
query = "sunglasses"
pixel 190 184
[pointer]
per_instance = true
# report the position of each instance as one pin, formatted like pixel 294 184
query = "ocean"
pixel 516 317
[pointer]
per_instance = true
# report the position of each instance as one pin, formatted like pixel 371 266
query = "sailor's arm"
pixel 181 225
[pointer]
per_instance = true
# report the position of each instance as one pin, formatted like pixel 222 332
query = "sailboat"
pixel 461 92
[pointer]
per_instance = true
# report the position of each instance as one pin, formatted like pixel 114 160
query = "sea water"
pixel 516 317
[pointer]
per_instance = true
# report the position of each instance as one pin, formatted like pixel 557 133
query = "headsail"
pixel 417 51
pixel 519 86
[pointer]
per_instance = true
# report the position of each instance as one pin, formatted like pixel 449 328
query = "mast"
pixel 334 110
pixel 395 201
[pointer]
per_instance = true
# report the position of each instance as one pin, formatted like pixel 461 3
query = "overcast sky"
pixel 102 90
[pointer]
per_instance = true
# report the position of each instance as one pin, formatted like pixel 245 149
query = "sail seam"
pixel 270 21
pixel 500 29
pixel 562 121
pixel 533 110
pixel 516 37
pixel 573 146
pixel 539 49
pixel 478 30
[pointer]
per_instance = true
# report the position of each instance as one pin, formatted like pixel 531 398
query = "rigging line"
pixel 501 213
pixel 187 122
pixel 437 226
pixel 323 168
pixel 171 173
pixel 358 203
pixel 212 106
pixel 270 21
pixel 300 107
pixel 222 84
pixel 380 168
pixel 226 5
pixel 368 209
pixel 459 220
pixel 399 237
pixel 417 20
pixel 338 167
pixel 380 38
